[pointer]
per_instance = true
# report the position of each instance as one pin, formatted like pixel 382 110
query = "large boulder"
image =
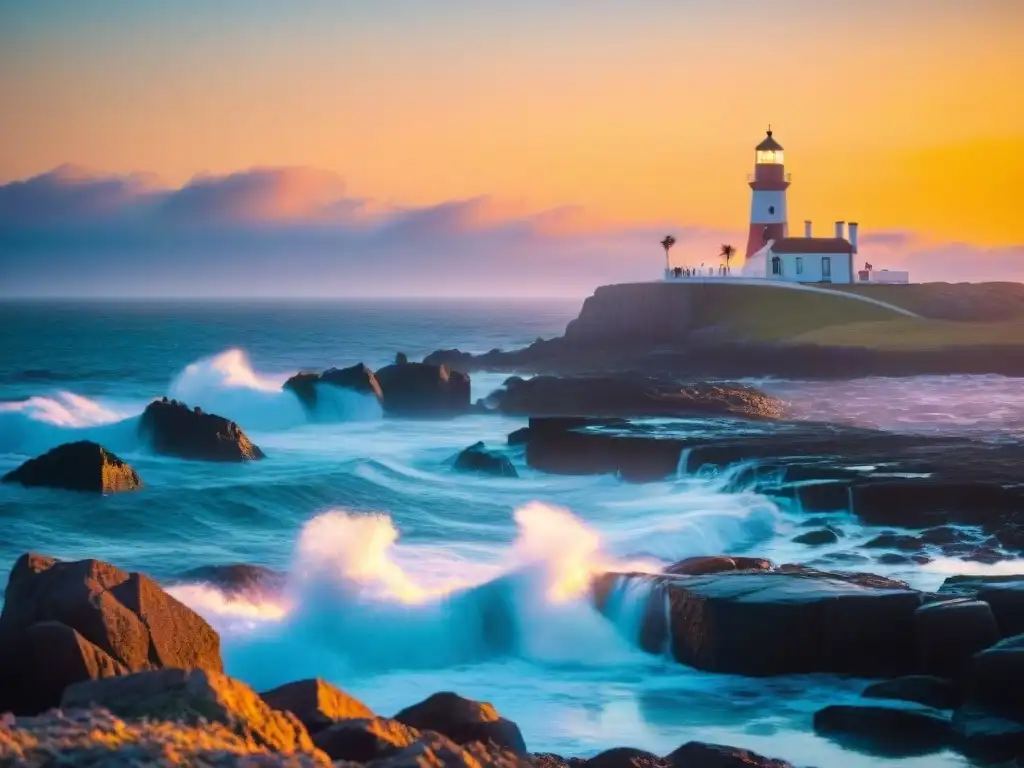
pixel 363 740
pixel 96 737
pixel 96 620
pixel 174 429
pixel 357 378
pixel 626 757
pixel 630 395
pixel 951 632
pixel 894 730
pixel 421 389
pixel 193 696
pixel 995 677
pixel 478 459
pixel 463 721
pixel 1004 594
pixel 81 466
pixel 697 754
pixel 788 621
pixel 987 736
pixel 316 703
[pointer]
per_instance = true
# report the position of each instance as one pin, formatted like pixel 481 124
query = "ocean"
pixel 403 559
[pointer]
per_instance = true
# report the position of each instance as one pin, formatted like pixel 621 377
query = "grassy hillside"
pixel 912 333
pixel 965 302
pixel 768 313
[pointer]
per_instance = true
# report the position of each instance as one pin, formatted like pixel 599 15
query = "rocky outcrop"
pixel 363 740
pixel 630 395
pixel 96 737
pixel 1003 594
pixel 951 632
pixel 316 703
pixel 710 331
pixel 193 696
pixel 357 378
pixel 63 622
pixel 81 466
pixel 892 730
pixel 174 429
pixel 698 754
pixel 478 459
pixel 463 721
pixel 421 389
pixel 791 620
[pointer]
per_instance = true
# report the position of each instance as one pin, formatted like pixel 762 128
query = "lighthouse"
pixel 768 204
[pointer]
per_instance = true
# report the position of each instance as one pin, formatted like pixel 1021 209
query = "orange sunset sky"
pixel 906 116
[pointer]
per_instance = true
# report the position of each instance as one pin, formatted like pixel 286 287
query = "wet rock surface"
pixel 790 620
pixel 478 459
pixel 174 429
pixel 961 498
pixel 357 378
pixel 630 395
pixel 422 389
pixel 79 466
pixel 894 730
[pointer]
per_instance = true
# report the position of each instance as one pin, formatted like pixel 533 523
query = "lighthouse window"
pixel 799 265
pixel 771 209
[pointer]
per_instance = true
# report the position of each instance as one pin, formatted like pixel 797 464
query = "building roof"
pixel 812 245
pixel 768 144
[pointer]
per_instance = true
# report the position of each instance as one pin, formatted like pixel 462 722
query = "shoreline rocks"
pixel 174 429
pixel 403 389
pixel 96 621
pixel 479 460
pixel 79 466
pixel 357 378
pixel 422 389
pixel 633 395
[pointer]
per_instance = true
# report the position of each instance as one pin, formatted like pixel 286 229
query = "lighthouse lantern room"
pixel 769 182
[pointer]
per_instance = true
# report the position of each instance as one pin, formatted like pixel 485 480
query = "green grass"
pixel 914 333
pixel 965 302
pixel 767 313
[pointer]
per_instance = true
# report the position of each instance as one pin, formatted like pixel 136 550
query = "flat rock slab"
pixel 789 621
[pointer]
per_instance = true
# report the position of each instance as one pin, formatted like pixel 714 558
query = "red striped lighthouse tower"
pixel 768 206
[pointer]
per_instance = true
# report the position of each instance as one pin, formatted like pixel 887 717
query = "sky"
pixel 521 146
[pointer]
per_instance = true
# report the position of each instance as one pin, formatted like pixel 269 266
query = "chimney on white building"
pixel 853 235
pixel 839 229
pixel 807 228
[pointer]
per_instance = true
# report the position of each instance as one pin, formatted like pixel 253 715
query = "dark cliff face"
pixel 649 312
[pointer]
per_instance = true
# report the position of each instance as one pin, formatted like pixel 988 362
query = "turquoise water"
pixel 398 563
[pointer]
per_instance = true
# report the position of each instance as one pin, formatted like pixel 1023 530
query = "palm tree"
pixel 667 244
pixel 727 253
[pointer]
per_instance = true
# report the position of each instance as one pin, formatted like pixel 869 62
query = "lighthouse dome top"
pixel 769 144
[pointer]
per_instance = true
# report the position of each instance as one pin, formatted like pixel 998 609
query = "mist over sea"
pixel 397 562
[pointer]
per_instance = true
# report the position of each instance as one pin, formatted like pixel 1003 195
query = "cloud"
pixel 299 231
